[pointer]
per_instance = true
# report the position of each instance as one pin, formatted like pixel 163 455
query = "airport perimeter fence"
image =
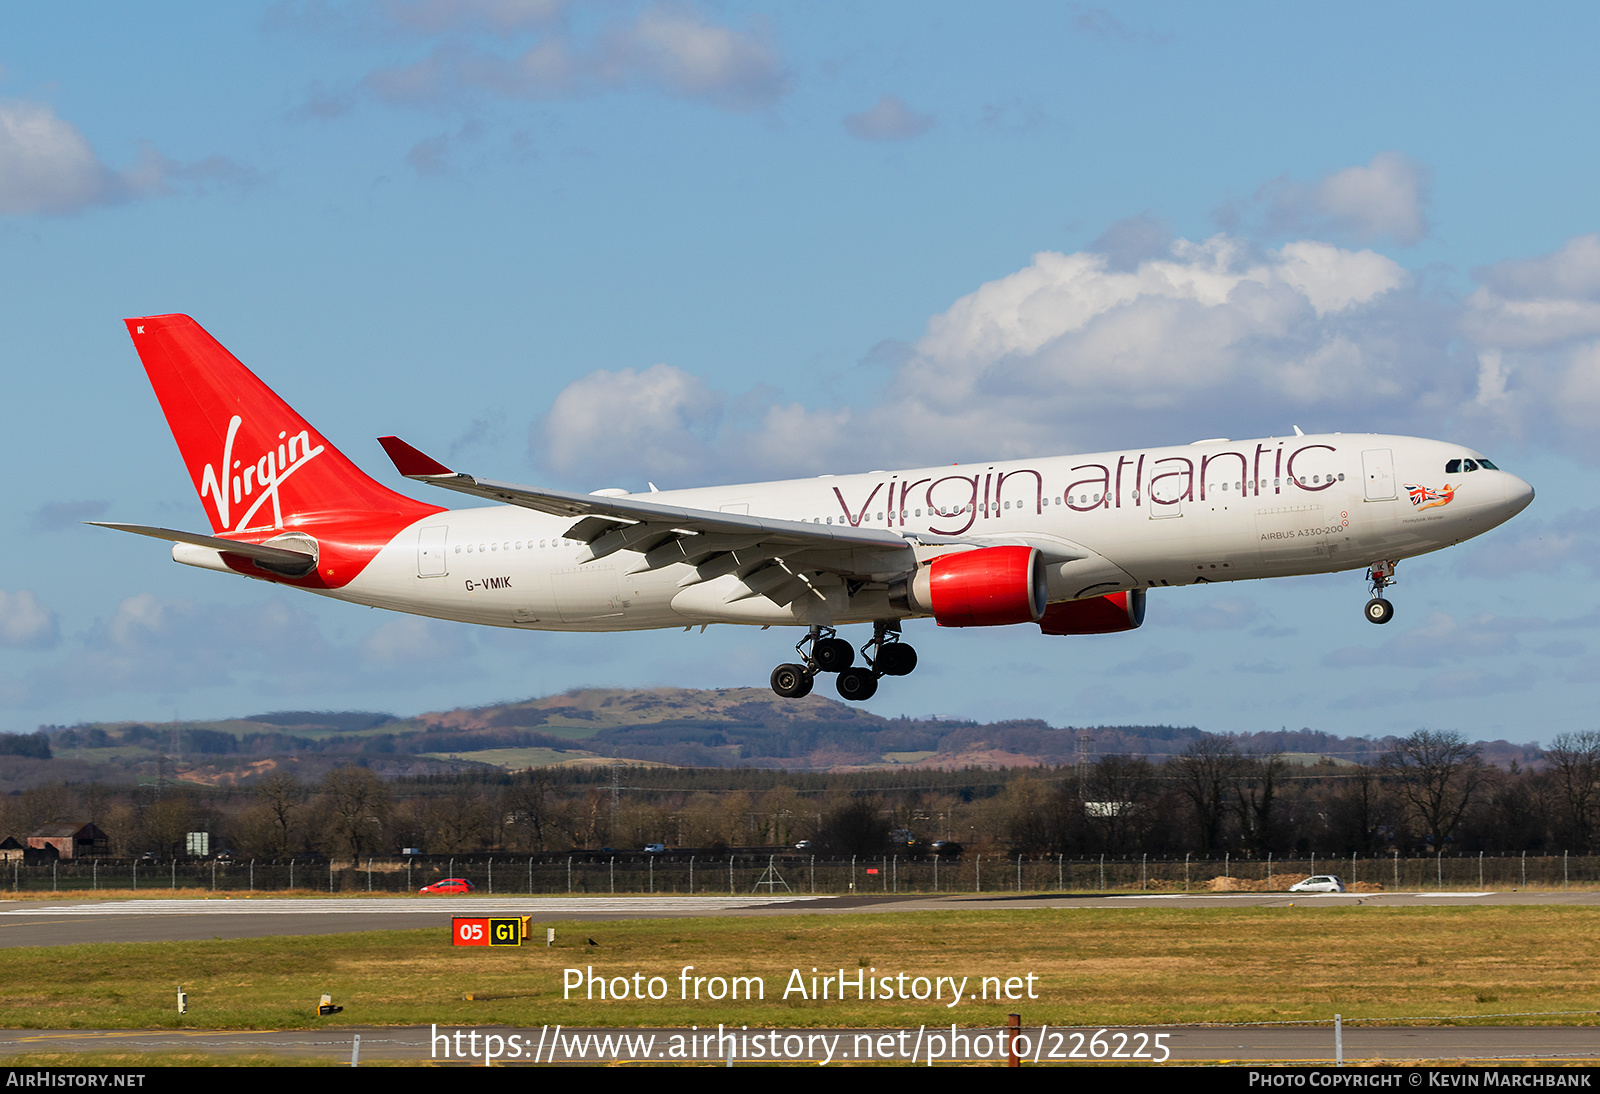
pixel 789 873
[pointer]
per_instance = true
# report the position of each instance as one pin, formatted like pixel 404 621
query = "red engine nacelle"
pixel 988 587
pixel 1096 615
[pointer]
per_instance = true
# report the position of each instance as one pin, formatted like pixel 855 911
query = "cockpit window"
pixel 1452 467
pixel 1487 466
pixel 1456 467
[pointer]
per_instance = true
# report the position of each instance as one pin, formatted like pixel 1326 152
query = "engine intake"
pixel 987 587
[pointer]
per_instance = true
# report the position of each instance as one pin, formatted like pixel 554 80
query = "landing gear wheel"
pixel 857 685
pixel 832 654
pixel 896 659
pixel 1380 575
pixel 792 681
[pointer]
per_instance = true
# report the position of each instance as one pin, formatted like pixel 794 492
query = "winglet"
pixel 410 462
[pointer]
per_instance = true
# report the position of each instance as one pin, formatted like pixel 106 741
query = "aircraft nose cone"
pixel 1519 495
pixel 1510 497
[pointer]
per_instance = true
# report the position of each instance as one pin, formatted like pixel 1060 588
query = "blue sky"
pixel 590 245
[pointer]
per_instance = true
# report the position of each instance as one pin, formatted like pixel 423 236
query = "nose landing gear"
pixel 1380 575
pixel 822 651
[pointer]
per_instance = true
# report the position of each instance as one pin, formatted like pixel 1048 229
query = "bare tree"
pixel 854 826
pixel 1257 785
pixel 460 821
pixel 166 821
pixel 1575 763
pixel 1355 811
pixel 281 795
pixel 528 806
pixel 357 800
pixel 1439 776
pixel 1026 814
pixel 1120 789
pixel 1205 771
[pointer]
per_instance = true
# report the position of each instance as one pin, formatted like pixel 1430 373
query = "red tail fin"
pixel 255 463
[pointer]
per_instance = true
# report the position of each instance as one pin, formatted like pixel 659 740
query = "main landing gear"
pixel 823 651
pixel 1380 575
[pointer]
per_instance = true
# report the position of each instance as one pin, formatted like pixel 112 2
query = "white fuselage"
pixel 1210 511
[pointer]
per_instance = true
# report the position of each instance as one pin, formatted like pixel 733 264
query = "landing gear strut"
pixel 1380 575
pixel 887 655
pixel 821 650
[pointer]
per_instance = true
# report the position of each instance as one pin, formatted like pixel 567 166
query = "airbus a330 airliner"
pixel 1070 543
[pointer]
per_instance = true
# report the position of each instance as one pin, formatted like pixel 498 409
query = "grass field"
pixel 1091 967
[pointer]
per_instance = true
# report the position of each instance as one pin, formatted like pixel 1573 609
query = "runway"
pixel 186 920
pixel 68 922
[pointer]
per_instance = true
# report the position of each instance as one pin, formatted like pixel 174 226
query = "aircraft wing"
pixel 715 543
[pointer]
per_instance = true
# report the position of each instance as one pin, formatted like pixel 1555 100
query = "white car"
pixel 1321 883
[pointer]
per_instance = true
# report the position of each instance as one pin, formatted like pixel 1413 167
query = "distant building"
pixel 10 849
pixel 68 841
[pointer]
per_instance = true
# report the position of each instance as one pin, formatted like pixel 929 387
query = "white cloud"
pixel 368 21
pixel 649 422
pixel 25 623
pixel 1071 354
pixel 411 641
pixel 1539 302
pixel 889 119
pixel 1133 240
pixel 157 645
pixel 1333 280
pixel 684 53
pixel 1147 339
pixel 1440 639
pixel 46 166
pixel 1536 322
pixel 432 155
pixel 503 16
pixel 154 643
pixel 669 49
pixel 1573 272
pixel 1384 198
pixel 1068 348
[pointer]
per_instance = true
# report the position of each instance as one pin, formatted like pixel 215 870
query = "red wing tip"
pixel 410 462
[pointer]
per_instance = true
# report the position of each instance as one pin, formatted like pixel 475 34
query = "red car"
pixel 448 885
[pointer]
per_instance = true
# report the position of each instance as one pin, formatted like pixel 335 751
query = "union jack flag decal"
pixel 1425 497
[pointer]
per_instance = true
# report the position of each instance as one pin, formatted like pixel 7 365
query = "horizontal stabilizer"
pixel 278 558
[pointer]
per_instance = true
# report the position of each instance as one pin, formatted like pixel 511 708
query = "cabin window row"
pixel 518 545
